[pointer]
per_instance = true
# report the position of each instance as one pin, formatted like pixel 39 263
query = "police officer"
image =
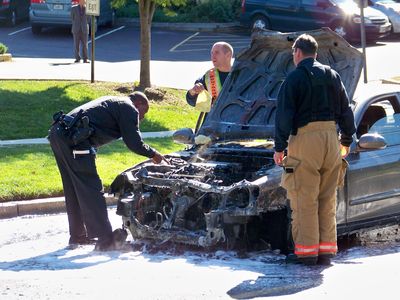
pixel 311 102
pixel 73 139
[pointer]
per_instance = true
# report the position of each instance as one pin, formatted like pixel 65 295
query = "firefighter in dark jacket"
pixel 311 103
pixel 74 138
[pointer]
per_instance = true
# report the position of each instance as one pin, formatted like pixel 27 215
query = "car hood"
pixel 245 108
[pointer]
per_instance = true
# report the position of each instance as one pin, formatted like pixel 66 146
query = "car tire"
pixel 36 29
pixel 12 21
pixel 260 21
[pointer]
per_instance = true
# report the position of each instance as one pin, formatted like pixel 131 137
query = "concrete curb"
pixel 5 57
pixel 40 141
pixel 205 27
pixel 39 206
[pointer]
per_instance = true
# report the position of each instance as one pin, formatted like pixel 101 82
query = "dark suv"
pixel 342 16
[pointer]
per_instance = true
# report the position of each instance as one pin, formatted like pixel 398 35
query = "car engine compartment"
pixel 217 197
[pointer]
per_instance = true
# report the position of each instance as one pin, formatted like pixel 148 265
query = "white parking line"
pixel 107 33
pixel 18 31
pixel 184 41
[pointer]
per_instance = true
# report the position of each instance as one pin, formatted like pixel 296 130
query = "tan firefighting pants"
pixel 311 177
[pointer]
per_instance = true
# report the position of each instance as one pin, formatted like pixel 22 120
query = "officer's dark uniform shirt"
pixel 191 100
pixel 295 98
pixel 112 118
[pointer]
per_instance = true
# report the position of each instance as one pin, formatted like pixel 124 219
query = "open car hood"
pixel 245 108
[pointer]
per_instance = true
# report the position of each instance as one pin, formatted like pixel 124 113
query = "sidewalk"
pixel 39 141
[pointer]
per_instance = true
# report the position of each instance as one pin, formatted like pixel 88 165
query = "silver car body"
pixel 391 9
pixel 57 13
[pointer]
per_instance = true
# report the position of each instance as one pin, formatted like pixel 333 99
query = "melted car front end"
pixel 220 196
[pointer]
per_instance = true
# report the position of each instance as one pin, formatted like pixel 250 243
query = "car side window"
pixel 375 112
pixel 389 128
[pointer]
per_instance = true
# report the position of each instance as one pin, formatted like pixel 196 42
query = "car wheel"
pixel 13 19
pixel 36 29
pixel 260 21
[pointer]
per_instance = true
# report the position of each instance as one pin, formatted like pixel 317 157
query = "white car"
pixel 391 9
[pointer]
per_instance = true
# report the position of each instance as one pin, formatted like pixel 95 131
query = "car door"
pixel 283 14
pixel 315 14
pixel 373 176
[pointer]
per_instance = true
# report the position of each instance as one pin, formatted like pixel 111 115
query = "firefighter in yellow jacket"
pixel 213 79
pixel 311 103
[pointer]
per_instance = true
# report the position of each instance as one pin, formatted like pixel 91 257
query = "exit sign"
pixel 93 7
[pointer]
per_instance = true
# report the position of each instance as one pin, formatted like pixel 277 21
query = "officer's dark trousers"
pixel 83 190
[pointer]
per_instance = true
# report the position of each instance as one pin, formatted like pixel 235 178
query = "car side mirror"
pixel 184 136
pixel 371 141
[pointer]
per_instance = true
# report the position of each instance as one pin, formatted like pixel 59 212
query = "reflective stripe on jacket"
pixel 213 82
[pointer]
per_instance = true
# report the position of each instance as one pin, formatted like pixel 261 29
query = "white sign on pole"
pixel 93 7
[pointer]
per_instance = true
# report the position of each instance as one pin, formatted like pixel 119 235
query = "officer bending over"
pixel 73 139
pixel 311 101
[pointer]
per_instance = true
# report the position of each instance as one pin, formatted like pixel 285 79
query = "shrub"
pixel 194 11
pixel 3 48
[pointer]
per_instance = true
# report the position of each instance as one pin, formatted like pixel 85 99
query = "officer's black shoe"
pixel 85 61
pixel 77 60
pixel 75 242
pixel 115 241
pixel 294 259
pixel 324 260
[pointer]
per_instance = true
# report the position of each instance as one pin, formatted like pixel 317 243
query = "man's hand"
pixel 158 158
pixel 344 151
pixel 278 158
pixel 196 89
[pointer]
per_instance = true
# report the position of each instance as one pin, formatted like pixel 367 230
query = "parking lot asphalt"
pixel 115 63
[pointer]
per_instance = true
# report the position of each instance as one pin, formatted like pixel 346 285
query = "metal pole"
pixel 363 42
pixel 92 50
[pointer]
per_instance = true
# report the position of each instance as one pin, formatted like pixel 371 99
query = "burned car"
pixel 224 189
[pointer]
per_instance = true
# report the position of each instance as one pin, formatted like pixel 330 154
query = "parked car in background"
pixel 224 189
pixel 342 16
pixel 57 13
pixel 12 11
pixel 391 9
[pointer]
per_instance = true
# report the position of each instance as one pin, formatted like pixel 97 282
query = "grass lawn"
pixel 27 106
pixel 29 172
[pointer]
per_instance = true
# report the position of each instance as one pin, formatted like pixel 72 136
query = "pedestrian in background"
pixel 311 102
pixel 74 139
pixel 80 30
